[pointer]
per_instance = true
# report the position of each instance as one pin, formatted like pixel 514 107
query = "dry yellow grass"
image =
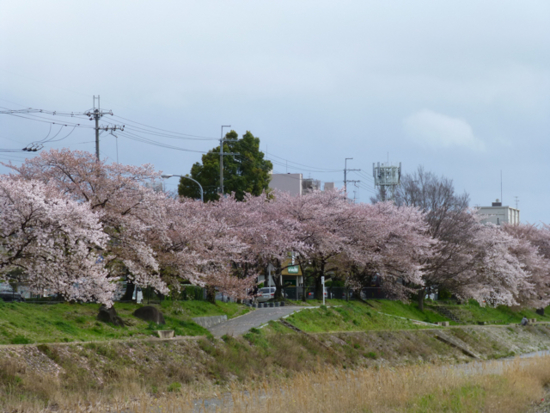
pixel 491 387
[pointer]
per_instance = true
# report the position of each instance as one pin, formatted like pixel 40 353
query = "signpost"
pixel 323 282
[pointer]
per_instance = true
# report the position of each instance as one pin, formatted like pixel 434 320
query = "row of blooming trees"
pixel 77 226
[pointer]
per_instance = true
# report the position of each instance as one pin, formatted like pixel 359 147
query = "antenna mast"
pixel 386 176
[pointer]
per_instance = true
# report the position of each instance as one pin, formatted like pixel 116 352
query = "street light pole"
pixel 182 176
pixel 221 159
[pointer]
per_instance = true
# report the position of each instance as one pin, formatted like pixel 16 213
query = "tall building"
pixel 498 214
pixel 296 184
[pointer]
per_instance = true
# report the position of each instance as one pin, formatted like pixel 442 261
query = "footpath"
pixel 254 319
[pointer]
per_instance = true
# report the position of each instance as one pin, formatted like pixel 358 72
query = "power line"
pixel 364 175
pixel 183 135
pixel 275 162
pixel 312 168
pixel 138 138
pixel 46 120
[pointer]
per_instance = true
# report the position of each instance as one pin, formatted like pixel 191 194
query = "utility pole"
pixel 97 114
pixel 221 159
pixel 346 174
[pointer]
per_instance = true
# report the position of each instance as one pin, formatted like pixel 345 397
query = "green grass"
pixel 350 316
pixel 24 323
pixel 410 310
pixel 472 312
pixel 467 398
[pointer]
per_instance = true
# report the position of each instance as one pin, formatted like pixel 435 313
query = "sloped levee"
pixel 45 372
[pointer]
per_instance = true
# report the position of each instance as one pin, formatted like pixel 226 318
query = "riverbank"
pixel 53 377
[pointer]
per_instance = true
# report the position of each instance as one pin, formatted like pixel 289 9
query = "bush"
pixel 192 292
pixel 175 386
pixel 20 340
pixel 444 294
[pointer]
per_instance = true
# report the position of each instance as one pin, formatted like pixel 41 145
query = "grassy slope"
pixel 22 323
pixel 471 313
pixel 357 316
pixel 350 316
pixel 407 310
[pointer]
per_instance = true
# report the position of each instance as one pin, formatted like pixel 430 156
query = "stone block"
pixel 150 313
pixel 165 333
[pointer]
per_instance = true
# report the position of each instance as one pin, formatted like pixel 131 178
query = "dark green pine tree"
pixel 245 172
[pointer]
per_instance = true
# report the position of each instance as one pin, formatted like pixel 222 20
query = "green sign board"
pixel 295 269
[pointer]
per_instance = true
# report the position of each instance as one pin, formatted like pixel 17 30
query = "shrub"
pixel 20 340
pixel 173 387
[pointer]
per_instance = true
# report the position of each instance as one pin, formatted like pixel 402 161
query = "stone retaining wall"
pixel 207 322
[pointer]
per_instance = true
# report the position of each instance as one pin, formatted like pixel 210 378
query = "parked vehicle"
pixel 266 294
pixel 7 297
pixel 311 294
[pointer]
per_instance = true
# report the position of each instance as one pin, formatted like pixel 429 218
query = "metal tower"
pixel 386 177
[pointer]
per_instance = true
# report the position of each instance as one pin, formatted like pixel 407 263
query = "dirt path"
pixel 129 340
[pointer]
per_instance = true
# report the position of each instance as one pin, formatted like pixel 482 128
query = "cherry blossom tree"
pixel 53 239
pixel 202 248
pixel 129 211
pixel 269 235
pixel 322 224
pixel 532 249
pixel 390 243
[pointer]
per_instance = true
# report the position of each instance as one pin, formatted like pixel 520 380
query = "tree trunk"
pixel 129 293
pixel 210 294
pixel 421 296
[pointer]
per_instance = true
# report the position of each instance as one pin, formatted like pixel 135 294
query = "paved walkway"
pixel 256 318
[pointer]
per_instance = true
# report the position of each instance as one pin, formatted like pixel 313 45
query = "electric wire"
pixel 364 175
pixel 138 138
pixel 64 137
pixel 306 166
pixel 168 131
pixel 45 120
pixel 282 164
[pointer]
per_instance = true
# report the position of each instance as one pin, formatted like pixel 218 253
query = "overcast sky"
pixel 460 87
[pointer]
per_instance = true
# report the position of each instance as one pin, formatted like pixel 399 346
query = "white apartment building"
pixel 498 214
pixel 296 184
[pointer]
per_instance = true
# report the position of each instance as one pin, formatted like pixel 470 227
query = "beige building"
pixel 498 214
pixel 296 184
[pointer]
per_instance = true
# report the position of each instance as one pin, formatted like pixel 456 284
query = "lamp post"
pixel 221 159
pixel 182 176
